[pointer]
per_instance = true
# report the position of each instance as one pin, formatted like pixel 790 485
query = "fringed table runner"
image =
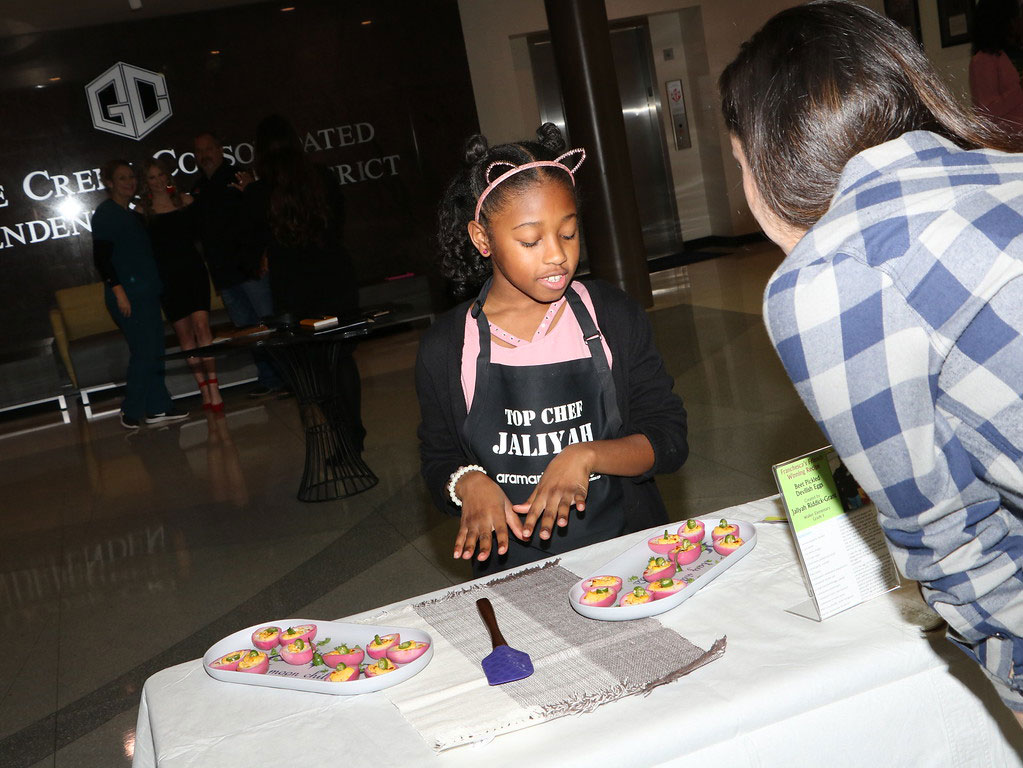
pixel 579 663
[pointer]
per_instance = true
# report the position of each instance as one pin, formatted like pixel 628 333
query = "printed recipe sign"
pixel 840 543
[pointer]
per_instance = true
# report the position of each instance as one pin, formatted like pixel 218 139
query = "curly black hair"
pixel 460 262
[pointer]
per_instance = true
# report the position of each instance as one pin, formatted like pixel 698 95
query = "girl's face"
pixel 156 179
pixel 122 182
pixel 534 244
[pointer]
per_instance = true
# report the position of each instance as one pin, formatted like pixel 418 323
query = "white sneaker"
pixel 172 415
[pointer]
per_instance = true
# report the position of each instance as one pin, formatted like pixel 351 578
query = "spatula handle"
pixel 487 613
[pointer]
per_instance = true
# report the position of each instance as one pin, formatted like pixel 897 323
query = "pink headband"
pixel 555 163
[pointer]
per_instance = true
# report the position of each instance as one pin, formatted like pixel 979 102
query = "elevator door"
pixel 655 195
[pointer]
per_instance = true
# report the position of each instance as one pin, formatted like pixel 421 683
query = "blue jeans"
pixel 247 304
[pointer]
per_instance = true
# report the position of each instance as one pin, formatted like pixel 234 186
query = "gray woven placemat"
pixel 579 663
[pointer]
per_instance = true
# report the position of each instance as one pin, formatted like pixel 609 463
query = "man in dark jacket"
pixel 236 275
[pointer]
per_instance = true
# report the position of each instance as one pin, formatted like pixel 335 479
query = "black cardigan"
pixel 643 387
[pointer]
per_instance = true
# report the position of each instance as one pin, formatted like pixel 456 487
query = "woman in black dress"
pixel 171 222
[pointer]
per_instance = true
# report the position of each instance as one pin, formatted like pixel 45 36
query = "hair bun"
pixel 550 137
pixel 475 149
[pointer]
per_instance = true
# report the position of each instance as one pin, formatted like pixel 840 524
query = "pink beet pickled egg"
pixel 266 638
pixel 377 648
pixel 298 653
pixel 727 544
pixel 637 596
pixel 343 674
pixel 663 544
pixel 686 552
pixel 724 528
pixel 597 582
pixel 659 568
pixel 304 632
pixel 256 662
pixel 403 653
pixel 692 530
pixel 342 654
pixel 665 587
pixel 229 661
pixel 601 597
pixel 382 667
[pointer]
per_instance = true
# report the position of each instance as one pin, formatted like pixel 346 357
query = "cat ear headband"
pixel 513 169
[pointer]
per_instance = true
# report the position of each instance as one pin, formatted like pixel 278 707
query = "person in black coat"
pixel 294 217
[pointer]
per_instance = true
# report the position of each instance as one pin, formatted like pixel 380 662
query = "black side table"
pixel 319 367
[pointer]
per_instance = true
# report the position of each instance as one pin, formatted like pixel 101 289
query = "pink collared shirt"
pixel 565 342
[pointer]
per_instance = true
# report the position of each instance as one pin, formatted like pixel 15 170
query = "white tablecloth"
pixel 863 688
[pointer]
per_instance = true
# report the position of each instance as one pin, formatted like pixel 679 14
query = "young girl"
pixel 898 311
pixel 546 409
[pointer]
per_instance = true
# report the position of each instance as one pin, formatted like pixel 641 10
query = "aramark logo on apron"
pixel 543 443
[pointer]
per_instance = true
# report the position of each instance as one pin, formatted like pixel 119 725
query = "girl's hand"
pixel 485 510
pixel 564 484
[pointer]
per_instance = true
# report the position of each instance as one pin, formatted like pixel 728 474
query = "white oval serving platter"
pixel 307 677
pixel 630 564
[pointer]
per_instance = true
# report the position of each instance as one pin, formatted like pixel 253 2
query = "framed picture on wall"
pixel 955 21
pixel 906 13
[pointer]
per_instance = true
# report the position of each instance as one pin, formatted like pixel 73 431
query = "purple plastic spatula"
pixel 504 664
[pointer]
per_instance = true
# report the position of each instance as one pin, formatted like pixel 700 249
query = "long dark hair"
pixel 461 263
pixel 994 26
pixel 824 81
pixel 298 196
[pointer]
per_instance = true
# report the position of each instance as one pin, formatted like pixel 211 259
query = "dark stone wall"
pixel 386 105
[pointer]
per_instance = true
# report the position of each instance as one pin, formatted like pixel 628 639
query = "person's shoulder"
pixel 446 327
pixel 104 207
pixel 450 320
pixel 105 214
pixel 257 187
pixel 224 174
pixel 989 57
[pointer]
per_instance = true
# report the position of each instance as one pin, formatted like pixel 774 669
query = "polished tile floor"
pixel 122 554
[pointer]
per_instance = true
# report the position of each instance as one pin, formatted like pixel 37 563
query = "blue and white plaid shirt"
pixel 898 317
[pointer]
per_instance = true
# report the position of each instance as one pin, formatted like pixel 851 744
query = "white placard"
pixel 841 546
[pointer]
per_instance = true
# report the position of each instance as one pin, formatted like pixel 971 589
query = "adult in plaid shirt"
pixel 899 307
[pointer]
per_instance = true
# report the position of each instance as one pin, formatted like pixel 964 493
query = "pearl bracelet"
pixel 457 475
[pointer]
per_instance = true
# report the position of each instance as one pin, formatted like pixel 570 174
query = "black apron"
pixel 523 416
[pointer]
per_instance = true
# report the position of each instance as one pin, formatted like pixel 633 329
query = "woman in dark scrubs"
pixel 124 258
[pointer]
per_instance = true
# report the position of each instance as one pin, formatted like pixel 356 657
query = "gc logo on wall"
pixel 128 100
